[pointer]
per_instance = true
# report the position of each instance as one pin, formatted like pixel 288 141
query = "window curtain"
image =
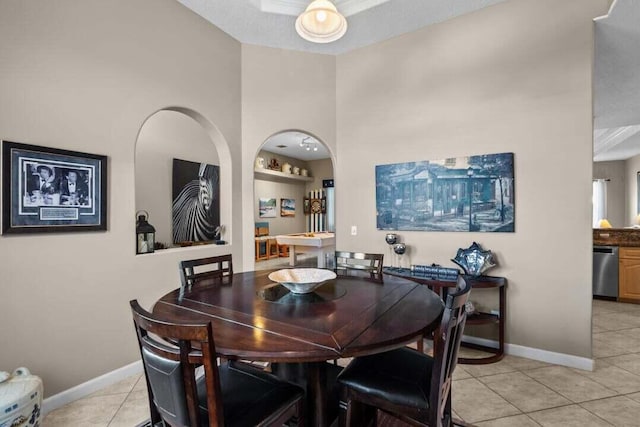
pixel 599 201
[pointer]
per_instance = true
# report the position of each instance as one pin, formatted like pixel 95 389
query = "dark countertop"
pixel 617 236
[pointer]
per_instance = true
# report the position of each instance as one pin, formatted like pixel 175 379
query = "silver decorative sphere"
pixel 391 238
pixel 400 248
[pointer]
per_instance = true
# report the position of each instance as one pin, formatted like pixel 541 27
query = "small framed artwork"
pixel 323 205
pixel 267 208
pixel 288 207
pixel 49 190
pixel 306 206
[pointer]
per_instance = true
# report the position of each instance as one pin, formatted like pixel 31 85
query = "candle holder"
pixel 399 249
pixel 391 240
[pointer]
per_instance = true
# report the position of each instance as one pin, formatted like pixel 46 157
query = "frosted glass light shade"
pixel 321 22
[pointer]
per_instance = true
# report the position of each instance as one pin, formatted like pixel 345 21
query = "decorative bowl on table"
pixel 474 260
pixel 302 280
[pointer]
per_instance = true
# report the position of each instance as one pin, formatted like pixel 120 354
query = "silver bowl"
pixel 302 280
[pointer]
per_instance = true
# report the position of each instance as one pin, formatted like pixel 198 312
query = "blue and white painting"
pixel 267 208
pixel 287 207
pixel 474 193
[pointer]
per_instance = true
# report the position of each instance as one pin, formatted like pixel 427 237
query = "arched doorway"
pixel 293 193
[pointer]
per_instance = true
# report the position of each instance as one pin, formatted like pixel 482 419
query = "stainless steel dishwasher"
pixel 605 271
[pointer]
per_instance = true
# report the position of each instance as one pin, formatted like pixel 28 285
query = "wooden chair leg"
pixel 355 414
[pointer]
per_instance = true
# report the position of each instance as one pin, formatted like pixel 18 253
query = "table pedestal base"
pixel 318 379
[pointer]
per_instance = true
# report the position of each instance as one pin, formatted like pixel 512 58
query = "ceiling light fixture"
pixel 321 22
pixel 308 145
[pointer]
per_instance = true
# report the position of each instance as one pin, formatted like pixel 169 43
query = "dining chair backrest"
pixel 170 365
pixel 446 343
pixel 215 269
pixel 348 262
pixel 408 383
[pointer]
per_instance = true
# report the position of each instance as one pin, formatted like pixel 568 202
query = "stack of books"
pixel 435 272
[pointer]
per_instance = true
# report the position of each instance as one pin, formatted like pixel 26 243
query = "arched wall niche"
pixel 177 133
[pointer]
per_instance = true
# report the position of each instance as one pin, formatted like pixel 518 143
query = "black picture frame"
pixel 306 206
pixel 52 190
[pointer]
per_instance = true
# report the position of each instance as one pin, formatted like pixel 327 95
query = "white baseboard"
pixel 81 390
pixel 537 354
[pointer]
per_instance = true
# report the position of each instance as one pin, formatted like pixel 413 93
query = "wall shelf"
pixel 277 176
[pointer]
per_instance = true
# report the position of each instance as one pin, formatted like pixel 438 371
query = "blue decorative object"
pixel 474 260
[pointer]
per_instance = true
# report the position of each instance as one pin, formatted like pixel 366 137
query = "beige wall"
pixel 615 172
pixel 278 191
pixel 282 90
pixel 85 75
pixel 514 77
pixel 165 136
pixel 320 170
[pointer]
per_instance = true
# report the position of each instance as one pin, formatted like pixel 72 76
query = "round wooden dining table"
pixel 256 319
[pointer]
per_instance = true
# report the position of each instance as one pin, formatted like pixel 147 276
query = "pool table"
pixel 319 244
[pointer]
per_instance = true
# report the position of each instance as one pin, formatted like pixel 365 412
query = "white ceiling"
pixel 288 144
pixel 617 83
pixel 375 20
pixel 617 47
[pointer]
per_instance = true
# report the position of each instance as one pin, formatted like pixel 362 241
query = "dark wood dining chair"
pixel 412 386
pixel 347 263
pixel 223 396
pixel 210 270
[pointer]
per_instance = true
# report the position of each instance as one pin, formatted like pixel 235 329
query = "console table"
pixel 479 318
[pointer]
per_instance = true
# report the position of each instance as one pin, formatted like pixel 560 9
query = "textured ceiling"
pixel 243 20
pixel 288 144
pixel 617 47
pixel 617 82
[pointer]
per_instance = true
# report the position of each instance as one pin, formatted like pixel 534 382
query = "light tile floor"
pixel 511 393
pixel 302 260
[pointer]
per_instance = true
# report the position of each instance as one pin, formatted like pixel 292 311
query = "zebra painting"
pixel 196 201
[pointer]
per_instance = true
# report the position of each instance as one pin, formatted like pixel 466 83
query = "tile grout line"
pixel 123 402
pixel 596 415
pixel 571 402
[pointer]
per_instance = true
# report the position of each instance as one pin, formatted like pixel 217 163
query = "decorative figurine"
pixel 474 260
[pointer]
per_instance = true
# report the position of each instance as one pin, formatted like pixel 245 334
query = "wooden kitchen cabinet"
pixel 629 285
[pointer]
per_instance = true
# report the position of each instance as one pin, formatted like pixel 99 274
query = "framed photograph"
pixel 50 190
pixel 473 193
pixel 306 206
pixel 288 207
pixel 267 208
pixel 323 205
